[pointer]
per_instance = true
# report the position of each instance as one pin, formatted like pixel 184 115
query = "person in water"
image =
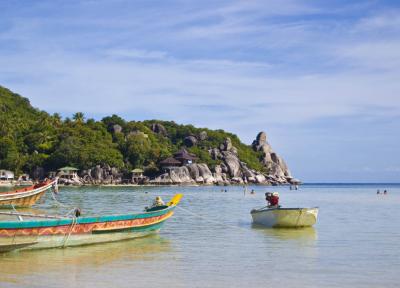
pixel 384 192
pixel 158 202
pixel 378 192
pixel 272 199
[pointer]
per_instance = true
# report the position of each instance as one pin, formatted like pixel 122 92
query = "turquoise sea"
pixel 356 242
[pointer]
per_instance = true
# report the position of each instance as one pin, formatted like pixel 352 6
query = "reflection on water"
pixel 306 234
pixel 352 245
pixel 15 264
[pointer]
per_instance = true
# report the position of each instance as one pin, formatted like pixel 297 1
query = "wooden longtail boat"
pixel 54 231
pixel 26 197
pixel 285 217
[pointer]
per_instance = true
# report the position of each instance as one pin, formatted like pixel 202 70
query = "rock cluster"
pixel 274 164
pixel 159 129
pixel 189 174
pixel 231 170
pixel 101 175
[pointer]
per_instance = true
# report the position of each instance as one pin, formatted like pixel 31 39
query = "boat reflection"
pixel 301 234
pixel 30 262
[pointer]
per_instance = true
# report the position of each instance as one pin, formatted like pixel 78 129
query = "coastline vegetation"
pixel 32 138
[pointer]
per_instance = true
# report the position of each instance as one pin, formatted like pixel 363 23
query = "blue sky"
pixel 322 78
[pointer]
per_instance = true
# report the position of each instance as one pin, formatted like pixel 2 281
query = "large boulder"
pixel 206 173
pixel 218 169
pixel 260 179
pixel 190 141
pixel 97 173
pixel 203 135
pixel 117 128
pixel 175 175
pixel 247 172
pixel 233 164
pixel 201 173
pixel 277 168
pixel 261 143
pixel 228 144
pixel 215 153
pixel 261 139
pixel 159 129
pixel 194 171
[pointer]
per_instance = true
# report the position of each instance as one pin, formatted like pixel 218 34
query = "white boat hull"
pixel 285 217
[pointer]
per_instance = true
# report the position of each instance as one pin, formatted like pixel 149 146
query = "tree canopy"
pixel 32 138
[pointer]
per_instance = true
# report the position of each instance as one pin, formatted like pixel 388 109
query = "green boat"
pixel 60 231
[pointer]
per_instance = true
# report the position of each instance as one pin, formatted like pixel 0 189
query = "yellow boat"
pixel 285 217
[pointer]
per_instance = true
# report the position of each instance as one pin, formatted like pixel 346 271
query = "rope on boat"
pixel 66 237
pixel 210 220
pixel 298 218
pixel 58 202
pixel 17 213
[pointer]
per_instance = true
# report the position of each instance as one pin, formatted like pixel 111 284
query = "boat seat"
pixel 156 208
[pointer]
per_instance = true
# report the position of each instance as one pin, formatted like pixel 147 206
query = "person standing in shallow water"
pixel 378 192
pixel 384 192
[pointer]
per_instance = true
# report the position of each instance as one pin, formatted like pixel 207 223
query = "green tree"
pixel 79 117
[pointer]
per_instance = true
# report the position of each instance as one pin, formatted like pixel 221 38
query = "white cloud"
pixel 136 54
pixel 244 66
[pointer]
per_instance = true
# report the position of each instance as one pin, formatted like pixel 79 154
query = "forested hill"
pixel 32 138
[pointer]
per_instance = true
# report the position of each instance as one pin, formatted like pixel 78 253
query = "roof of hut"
pixel 68 168
pixel 170 161
pixel 185 155
pixel 137 170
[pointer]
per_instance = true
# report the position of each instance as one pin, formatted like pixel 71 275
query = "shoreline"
pixel 165 185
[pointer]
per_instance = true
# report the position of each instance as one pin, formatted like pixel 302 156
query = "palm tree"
pixel 57 119
pixel 79 117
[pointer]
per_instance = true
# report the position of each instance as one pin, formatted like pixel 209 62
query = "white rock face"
pixel 276 166
pixel 231 169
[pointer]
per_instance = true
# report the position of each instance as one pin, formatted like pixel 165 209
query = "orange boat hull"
pixel 25 197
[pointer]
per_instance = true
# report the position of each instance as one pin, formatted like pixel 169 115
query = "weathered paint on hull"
pixel 285 217
pixel 55 232
pixel 58 241
pixel 25 197
pixel 21 202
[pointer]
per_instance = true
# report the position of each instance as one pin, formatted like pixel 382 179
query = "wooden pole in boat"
pixel 19 216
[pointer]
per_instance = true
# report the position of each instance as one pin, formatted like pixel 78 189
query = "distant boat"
pixel 285 217
pixel 58 231
pixel 26 197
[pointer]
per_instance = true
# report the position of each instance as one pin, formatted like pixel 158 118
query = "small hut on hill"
pixel 137 176
pixel 185 157
pixel 6 175
pixel 68 172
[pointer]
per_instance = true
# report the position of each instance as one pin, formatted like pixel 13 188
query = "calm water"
pixel 356 242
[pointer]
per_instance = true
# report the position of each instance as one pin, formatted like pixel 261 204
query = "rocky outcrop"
pixel 117 128
pixel 190 141
pixel 202 136
pixel 274 164
pixel 101 175
pixel 159 129
pixel 174 175
pixel 190 174
pixel 230 170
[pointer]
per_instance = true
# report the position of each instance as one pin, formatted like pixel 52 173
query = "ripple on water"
pixel 354 244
